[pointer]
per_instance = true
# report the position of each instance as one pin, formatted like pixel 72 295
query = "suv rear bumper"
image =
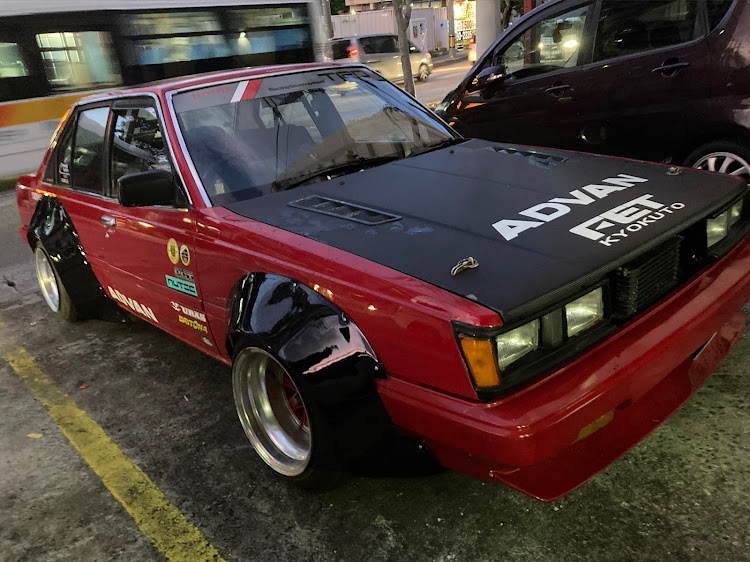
pixel 622 389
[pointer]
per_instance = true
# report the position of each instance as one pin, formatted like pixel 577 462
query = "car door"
pixel 646 92
pixel 151 249
pixel 536 99
pixel 377 52
pixel 75 174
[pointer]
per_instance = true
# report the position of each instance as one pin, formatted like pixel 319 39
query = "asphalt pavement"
pixel 443 79
pixel 167 410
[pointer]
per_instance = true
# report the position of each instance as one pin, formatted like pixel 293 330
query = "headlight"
pixel 735 213
pixel 716 229
pixel 584 312
pixel 513 345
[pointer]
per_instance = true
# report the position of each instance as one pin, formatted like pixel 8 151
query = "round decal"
pixel 172 251
pixel 184 255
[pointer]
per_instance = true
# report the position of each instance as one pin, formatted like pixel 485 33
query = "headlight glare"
pixel 716 229
pixel 584 312
pixel 513 345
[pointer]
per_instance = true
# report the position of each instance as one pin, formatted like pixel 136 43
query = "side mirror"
pixel 490 78
pixel 145 189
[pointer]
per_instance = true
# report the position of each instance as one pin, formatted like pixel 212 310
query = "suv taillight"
pixel 353 51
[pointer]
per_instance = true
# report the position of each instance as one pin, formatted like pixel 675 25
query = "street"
pixel 442 80
pixel 168 411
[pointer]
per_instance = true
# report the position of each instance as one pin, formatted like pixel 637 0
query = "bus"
pixel 54 52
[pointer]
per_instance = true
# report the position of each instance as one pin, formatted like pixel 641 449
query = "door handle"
pixel 108 221
pixel 669 68
pixel 557 90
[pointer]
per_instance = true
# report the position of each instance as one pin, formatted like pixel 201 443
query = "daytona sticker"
pixel 172 251
pixel 135 306
pixel 194 324
pixel 200 316
pixel 183 286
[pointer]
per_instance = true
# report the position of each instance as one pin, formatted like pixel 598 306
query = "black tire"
pixel 50 284
pixel 423 73
pixel 734 154
pixel 283 448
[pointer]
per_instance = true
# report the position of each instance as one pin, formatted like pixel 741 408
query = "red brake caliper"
pixel 295 402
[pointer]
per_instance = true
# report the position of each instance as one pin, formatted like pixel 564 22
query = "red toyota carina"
pixel 527 315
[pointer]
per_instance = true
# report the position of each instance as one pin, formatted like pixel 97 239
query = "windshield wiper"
pixel 442 144
pixel 353 165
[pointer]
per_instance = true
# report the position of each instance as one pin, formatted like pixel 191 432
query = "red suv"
pixel 662 80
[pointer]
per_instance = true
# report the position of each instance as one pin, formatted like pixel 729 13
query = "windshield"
pixel 253 138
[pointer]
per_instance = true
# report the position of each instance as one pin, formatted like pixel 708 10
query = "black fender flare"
pixel 318 344
pixel 51 225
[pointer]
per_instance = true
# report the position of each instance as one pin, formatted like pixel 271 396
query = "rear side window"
pixel 340 49
pixel 717 9
pixel 137 143
pixel 379 44
pixel 636 26
pixel 88 150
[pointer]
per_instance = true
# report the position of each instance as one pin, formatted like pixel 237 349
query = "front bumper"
pixel 531 440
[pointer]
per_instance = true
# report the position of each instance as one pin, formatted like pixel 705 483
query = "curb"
pixel 447 61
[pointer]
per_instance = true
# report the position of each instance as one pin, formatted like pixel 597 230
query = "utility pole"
pixel 451 30
pixel 327 22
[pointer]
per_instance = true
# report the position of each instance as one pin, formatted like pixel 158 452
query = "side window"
pixel 549 45
pixel 75 61
pixel 643 25
pixel 58 165
pixel 137 143
pixel 12 64
pixel 717 9
pixel 88 151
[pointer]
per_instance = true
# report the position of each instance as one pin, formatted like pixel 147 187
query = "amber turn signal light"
pixel 480 359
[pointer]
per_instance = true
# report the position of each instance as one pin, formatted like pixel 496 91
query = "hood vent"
pixel 536 155
pixel 343 210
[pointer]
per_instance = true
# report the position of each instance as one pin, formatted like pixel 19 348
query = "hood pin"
pixel 466 263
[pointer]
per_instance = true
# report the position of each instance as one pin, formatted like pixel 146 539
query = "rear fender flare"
pixel 51 225
pixel 320 346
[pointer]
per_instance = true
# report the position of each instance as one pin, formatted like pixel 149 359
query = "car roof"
pixel 161 87
pixel 361 35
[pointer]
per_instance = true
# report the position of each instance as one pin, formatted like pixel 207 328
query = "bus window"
pixel 11 63
pixel 76 61
pixel 268 30
pixel 160 38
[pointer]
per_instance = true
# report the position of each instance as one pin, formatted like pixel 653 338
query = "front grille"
pixel 646 279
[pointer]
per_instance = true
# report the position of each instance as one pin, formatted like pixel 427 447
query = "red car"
pixel 528 315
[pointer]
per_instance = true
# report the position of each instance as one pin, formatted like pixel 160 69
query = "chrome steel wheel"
pixel 271 411
pixel 725 163
pixel 423 73
pixel 45 274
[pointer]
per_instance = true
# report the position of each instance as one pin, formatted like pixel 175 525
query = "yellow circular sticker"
pixel 172 251
pixel 184 255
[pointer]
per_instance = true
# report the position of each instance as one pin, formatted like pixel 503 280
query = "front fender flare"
pixel 318 344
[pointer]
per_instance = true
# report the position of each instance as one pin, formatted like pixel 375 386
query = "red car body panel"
pixel 528 439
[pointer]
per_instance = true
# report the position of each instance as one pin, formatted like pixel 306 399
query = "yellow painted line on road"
pixel 168 529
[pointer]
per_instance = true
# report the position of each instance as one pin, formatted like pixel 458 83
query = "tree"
pixel 507 7
pixel 338 7
pixel 402 11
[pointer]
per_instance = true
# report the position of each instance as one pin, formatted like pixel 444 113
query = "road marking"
pixel 168 529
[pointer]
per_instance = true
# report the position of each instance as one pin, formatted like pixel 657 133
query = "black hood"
pixel 540 222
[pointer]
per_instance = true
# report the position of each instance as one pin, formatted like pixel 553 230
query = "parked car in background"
pixel 380 52
pixel 662 80
pixel 473 48
pixel 526 316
